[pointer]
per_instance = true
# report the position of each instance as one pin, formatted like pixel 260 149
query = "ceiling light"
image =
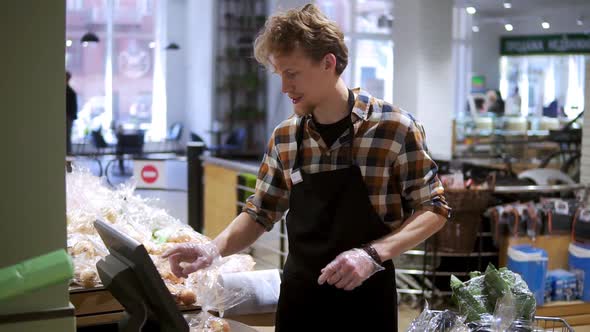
pixel 68 43
pixel 508 27
pixel 470 10
pixel 475 28
pixel 152 44
pixel 546 25
pixel 507 4
pixel 172 47
pixel 89 37
pixel 580 21
pixel 84 44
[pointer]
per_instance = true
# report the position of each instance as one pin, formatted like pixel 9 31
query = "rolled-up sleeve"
pixel 420 186
pixel 271 197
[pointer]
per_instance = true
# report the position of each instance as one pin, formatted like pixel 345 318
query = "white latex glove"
pixel 198 256
pixel 349 270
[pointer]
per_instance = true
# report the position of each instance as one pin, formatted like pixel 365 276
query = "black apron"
pixel 329 213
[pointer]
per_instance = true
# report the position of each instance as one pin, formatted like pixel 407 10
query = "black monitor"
pixel 132 278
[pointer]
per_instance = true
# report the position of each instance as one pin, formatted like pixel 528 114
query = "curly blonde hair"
pixel 307 28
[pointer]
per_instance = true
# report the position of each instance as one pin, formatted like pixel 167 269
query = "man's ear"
pixel 329 62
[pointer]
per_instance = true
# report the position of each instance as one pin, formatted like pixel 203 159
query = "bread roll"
pixel 219 325
pixel 82 247
pixel 88 278
pixel 187 297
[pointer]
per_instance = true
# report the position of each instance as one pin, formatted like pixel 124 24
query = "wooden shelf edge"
pixel 564 309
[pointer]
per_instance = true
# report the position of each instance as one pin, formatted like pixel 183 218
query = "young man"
pixel 350 169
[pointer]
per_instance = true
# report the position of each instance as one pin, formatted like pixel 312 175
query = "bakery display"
pixel 90 198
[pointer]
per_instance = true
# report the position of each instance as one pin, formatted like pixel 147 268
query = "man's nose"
pixel 285 86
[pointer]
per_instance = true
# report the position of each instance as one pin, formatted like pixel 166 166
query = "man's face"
pixel 305 81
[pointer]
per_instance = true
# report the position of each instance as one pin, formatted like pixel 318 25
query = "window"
pixel 367 26
pixel 86 62
pixel 113 78
pixel 544 80
pixel 133 62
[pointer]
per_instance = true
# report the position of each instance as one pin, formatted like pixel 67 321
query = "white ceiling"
pixel 493 10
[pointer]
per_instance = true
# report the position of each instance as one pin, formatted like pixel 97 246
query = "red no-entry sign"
pixel 149 174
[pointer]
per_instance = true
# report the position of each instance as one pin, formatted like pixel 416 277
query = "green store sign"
pixel 545 44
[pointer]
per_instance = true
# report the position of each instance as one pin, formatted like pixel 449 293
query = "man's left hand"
pixel 349 270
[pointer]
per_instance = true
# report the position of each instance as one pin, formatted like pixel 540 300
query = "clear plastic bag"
pixel 212 296
pixel 498 300
pixel 90 198
pixel 471 299
pixel 205 322
pixel 86 250
pixel 263 289
pixel 505 313
pixel 210 292
pixel 504 318
pixel 438 321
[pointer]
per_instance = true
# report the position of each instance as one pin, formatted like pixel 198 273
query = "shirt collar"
pixel 362 104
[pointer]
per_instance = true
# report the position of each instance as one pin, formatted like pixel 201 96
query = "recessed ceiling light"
pixel 508 27
pixel 546 25
pixel 580 21
pixel 68 43
pixel 471 10
pixel 475 28
pixel 507 4
pixel 152 44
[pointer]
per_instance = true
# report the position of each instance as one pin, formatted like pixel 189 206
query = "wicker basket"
pixel 460 232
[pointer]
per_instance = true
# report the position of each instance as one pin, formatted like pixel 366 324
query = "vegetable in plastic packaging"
pixel 438 321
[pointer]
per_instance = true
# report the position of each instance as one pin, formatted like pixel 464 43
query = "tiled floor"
pixel 406 315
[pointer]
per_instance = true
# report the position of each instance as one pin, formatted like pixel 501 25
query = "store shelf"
pixel 245 188
pixel 538 189
pixel 94 306
pixel 80 289
pixel 568 307
pixel 451 254
pixel 574 312
pixel 420 292
pixel 239 77
pixel 430 273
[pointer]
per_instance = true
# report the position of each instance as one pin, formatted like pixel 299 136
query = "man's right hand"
pixel 198 256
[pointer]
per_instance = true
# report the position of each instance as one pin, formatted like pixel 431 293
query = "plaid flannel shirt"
pixel 389 148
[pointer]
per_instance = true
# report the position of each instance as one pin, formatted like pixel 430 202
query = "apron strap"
pixel 350 140
pixel 350 137
pixel 299 141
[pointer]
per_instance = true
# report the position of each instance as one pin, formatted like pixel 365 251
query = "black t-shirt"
pixel 331 132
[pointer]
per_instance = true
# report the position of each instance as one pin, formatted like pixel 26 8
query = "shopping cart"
pixel 552 324
pixel 546 324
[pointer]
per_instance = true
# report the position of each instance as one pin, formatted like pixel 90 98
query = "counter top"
pixel 239 165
